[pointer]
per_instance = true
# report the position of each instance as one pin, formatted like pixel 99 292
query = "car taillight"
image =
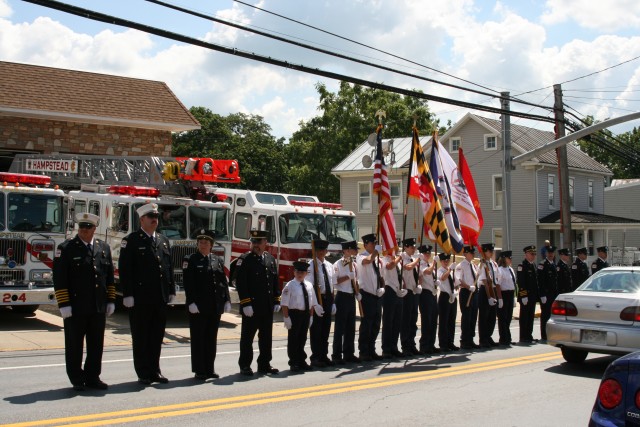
pixel 564 308
pixel 631 314
pixel 638 399
pixel 610 393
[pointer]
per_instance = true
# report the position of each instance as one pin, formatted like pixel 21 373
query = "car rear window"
pixel 622 281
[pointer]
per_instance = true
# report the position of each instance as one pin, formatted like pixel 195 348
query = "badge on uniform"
pixel 594 265
pixel 519 268
pixel 185 264
pixel 58 252
pixel 239 263
pixel 574 267
pixel 540 267
pixel 285 291
pixel 557 268
pixel 123 244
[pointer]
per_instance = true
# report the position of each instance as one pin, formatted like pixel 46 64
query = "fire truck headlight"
pixel 41 275
pixel 3 260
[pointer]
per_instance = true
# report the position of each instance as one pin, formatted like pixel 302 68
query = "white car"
pixel 601 316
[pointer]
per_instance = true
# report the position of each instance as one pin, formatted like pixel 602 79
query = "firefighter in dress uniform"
pixel 579 269
pixel 86 294
pixel 528 292
pixel 391 306
pixel 411 278
pixel 507 280
pixel 256 276
pixel 146 275
pixel 321 274
pixel 601 262
pixel 564 272
pixel 490 297
pixel 428 302
pixel 297 301
pixel 372 290
pixel 548 288
pixel 447 310
pixel 207 297
pixel 466 274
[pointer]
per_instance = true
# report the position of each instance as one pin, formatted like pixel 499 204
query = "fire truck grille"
pixel 11 275
pixel 178 252
pixel 178 279
pixel 17 246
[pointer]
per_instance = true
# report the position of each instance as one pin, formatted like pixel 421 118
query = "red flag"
pixel 465 172
pixel 381 187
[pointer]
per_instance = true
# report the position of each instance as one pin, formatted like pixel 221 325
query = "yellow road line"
pixel 187 408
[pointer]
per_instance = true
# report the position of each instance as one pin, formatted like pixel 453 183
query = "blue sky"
pixel 517 46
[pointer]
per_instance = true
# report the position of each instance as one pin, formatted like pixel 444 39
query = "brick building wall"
pixel 51 137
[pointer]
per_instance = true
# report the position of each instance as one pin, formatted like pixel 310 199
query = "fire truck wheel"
pixel 25 309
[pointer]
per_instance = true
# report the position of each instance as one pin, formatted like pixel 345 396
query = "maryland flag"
pixel 422 187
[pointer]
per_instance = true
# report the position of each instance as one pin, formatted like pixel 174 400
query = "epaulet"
pixel 186 257
pixel 244 255
pixel 64 244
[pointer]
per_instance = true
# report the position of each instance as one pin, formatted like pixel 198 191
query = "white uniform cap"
pixel 147 208
pixel 87 218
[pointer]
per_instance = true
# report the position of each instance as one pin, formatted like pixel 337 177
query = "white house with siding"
pixel 535 196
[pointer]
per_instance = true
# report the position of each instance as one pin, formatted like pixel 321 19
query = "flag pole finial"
pixel 415 120
pixel 380 114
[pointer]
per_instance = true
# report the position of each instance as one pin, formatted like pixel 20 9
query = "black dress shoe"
pixel 387 356
pixel 159 378
pixel 435 350
pixel 318 364
pixel 397 353
pixel 145 381
pixel 352 359
pixel 295 368
pixel 338 360
pixel 96 384
pixel 454 347
pixel 246 371
pixel 365 358
pixel 201 377
pixel 466 346
pixel 475 346
pixel 415 351
pixel 328 361
pixel 268 370
pixel 213 375
pixel 305 366
pixel 78 387
pixel 376 356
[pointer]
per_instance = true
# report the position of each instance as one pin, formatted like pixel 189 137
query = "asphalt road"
pixel 519 386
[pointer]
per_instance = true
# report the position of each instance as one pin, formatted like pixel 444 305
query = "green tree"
pixel 347 118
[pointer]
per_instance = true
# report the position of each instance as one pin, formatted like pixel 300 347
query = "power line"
pixel 97 16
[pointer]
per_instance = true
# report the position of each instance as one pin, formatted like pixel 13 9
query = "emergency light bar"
pixel 316 204
pixel 134 190
pixel 24 178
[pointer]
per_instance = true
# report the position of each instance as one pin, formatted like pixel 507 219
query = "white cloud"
pixel 604 16
pixel 5 9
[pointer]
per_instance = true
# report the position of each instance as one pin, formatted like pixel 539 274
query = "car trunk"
pixel 600 307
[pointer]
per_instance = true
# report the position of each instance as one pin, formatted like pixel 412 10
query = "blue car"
pixel 618 401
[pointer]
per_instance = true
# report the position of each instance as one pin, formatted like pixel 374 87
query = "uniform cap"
pixel 506 254
pixel 488 247
pixel 87 218
pixel 604 249
pixel 444 257
pixel 409 242
pixel 320 245
pixel 425 249
pixel 583 251
pixel 300 265
pixel 351 244
pixel 369 238
pixel 563 251
pixel 257 235
pixel 148 208
pixel 530 248
pixel 206 235
pixel 551 248
pixel 469 249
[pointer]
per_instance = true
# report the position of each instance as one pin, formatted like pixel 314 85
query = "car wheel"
pixel 572 355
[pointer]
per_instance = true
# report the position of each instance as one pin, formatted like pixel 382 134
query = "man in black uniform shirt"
pixel 564 272
pixel 207 297
pixel 146 275
pixel 601 262
pixel 527 293
pixel 579 269
pixel 256 276
pixel 86 294
pixel 548 287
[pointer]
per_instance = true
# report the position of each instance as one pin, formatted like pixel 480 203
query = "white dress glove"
pixel 65 312
pixel 452 298
pixel 172 298
pixel 401 293
pixel 287 322
pixel 492 302
pixel 248 311
pixel 227 307
pixel 472 288
pixel 276 308
pixel 380 292
pixel 333 309
pixel 500 303
pixel 193 308
pixel 111 308
pixel 319 310
pixel 310 321
pixel 418 290
pixel 127 302
pixel 543 300
pixel 359 296
pixel 525 300
pixel 379 248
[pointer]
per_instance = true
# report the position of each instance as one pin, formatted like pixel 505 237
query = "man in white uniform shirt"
pixel 428 302
pixel 320 274
pixel 410 276
pixel 371 289
pixel 344 333
pixel 447 309
pixel 489 297
pixel 466 275
pixel 391 306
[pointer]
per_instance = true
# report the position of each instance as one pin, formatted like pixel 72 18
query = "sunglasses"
pixel 153 215
pixel 85 225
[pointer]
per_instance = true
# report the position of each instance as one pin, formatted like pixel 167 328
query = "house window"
pixel 490 142
pixel 496 237
pixel 454 145
pixel 364 197
pixel 590 194
pixel 396 195
pixel 571 187
pixel 550 189
pixel 497 192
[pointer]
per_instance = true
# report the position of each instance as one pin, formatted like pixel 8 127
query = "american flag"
pixel 386 221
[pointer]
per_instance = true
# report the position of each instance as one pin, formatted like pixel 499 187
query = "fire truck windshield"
pixel 172 222
pixel 34 212
pixel 340 228
pixel 301 227
pixel 209 218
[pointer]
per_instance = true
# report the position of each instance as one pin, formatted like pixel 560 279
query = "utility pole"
pixel 506 171
pixel 563 172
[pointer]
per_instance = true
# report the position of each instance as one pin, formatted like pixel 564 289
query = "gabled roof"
pixel 587 218
pixel 523 139
pixel 68 95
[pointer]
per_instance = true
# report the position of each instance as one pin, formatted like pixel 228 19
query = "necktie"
pixel 306 296
pixel 377 271
pixel 327 287
pixel 416 273
pixel 512 276
pixel 90 248
pixel 493 274
pixel 473 273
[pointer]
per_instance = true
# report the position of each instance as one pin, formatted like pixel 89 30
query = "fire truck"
pixel 115 187
pixel 33 222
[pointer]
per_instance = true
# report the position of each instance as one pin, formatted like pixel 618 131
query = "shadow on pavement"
pixel 11 321
pixel 590 368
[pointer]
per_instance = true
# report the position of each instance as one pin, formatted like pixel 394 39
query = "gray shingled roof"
pixel 587 218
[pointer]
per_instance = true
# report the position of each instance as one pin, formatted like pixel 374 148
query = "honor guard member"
pixel 411 278
pixel 564 272
pixel 466 274
pixel 527 278
pixel 489 298
pixel 548 288
pixel 344 333
pixel 321 274
pixel 257 285
pixel 447 310
pixel 507 280
pixel 372 290
pixel 207 297
pixel 298 300
pixel 86 294
pixel 428 302
pixel 601 261
pixel 391 306
pixel 579 269
pixel 146 275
